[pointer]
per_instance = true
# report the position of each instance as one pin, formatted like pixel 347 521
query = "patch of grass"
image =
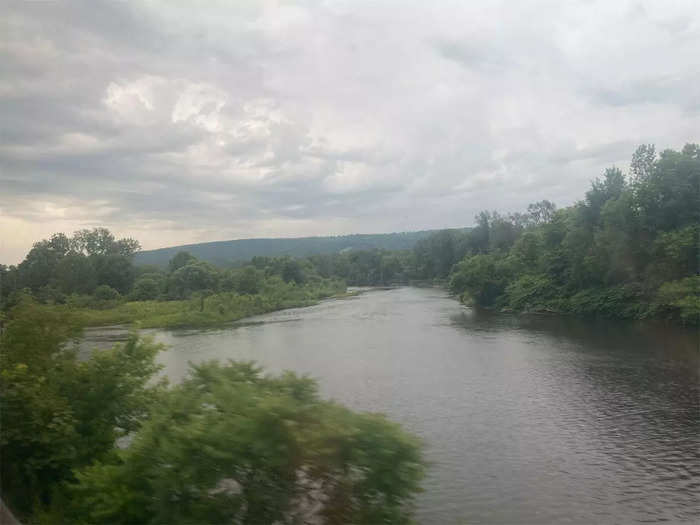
pixel 212 310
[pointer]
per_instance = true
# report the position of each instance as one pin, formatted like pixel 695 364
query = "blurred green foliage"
pixel 229 444
pixel 60 412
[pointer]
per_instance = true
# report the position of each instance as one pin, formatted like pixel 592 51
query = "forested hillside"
pixel 227 252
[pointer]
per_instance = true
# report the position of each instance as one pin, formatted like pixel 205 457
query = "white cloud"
pixel 179 124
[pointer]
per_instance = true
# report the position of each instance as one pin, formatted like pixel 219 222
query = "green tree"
pixel 181 259
pixel 193 277
pixel 668 197
pixel 230 445
pixel 79 263
pixel 292 271
pixel 115 271
pixel 100 241
pixel 541 212
pixel 682 298
pixel 39 266
pixel 105 292
pixel 391 268
pixel 642 165
pixel 602 190
pixel 145 289
pixel 503 233
pixel 482 277
pixel 75 273
pixel 60 413
pixel 248 281
pixel 626 250
pixel 436 254
pixel 9 284
pixel 530 292
pixel 676 254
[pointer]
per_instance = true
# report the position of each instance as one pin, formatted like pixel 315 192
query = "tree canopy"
pixel 630 248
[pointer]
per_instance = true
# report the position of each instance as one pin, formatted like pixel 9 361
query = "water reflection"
pixel 625 397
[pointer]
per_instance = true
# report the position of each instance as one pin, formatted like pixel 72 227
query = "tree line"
pixel 231 444
pixel 630 248
pixel 89 262
pixel 92 268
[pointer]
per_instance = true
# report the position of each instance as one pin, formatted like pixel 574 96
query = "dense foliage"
pixel 232 446
pixel 199 309
pixel 227 445
pixel 629 249
pixel 59 412
pixel 63 265
pixel 189 293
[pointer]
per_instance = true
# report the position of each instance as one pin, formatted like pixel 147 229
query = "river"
pixel 526 419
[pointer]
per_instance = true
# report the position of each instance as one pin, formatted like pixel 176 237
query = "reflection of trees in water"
pixel 607 334
pixel 628 391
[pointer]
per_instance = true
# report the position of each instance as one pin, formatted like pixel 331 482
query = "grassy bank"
pixel 202 311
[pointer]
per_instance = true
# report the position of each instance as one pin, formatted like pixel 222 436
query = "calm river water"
pixel 526 419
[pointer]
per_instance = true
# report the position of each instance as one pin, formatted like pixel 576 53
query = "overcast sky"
pixel 174 124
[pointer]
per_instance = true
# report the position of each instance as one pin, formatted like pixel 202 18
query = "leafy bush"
pixel 145 289
pixel 530 292
pixel 611 254
pixel 230 445
pixel 58 412
pixel 482 277
pixel 106 293
pixel 682 298
pixel 50 295
pixel 624 301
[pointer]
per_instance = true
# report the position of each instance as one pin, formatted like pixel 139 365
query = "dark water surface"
pixel 525 419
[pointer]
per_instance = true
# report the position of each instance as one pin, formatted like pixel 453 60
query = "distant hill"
pixel 229 252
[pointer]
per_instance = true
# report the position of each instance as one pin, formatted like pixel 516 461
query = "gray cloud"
pixel 179 124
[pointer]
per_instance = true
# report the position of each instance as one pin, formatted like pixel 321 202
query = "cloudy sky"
pixel 175 124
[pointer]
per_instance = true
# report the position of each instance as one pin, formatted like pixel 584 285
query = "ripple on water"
pixel 525 419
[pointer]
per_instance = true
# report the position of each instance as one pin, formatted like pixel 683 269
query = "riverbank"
pixel 677 303
pixel 202 311
pixel 589 400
